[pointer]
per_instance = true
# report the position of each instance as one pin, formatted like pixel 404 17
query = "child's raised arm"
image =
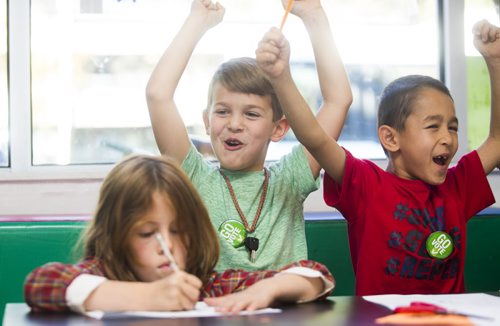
pixel 487 42
pixel 333 81
pixel 168 127
pixel 273 54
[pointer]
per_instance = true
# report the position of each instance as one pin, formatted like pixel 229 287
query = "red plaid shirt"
pixel 45 287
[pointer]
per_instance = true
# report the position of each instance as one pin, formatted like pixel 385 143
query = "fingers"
pixel 209 5
pixel 234 303
pixel 485 31
pixel 269 48
pixel 179 290
pixel 189 286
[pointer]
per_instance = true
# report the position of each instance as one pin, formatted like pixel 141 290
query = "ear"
pixel 206 121
pixel 280 129
pixel 388 137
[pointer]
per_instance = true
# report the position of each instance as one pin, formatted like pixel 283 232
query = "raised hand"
pixel 273 53
pixel 302 8
pixel 487 40
pixel 211 13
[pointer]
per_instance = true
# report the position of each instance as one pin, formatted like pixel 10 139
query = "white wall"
pixel 79 196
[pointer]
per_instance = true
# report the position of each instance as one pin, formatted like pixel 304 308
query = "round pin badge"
pixel 233 232
pixel 439 245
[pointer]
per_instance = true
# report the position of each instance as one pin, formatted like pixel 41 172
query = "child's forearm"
pixel 309 132
pixel 118 296
pixel 333 81
pixel 173 62
pixel 298 113
pixel 487 41
pixel 494 71
pixel 293 288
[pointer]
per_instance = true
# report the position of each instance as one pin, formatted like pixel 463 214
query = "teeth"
pixel 440 159
pixel 233 142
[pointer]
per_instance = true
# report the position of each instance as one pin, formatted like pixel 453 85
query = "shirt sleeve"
pixel 470 184
pixel 232 281
pixel 45 287
pixel 328 284
pixel 80 289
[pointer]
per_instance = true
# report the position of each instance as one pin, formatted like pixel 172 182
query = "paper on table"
pixel 468 303
pixel 201 309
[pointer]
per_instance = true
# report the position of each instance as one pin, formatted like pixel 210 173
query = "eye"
pixel 433 126
pixel 453 128
pixel 174 229
pixel 252 114
pixel 146 234
pixel 221 111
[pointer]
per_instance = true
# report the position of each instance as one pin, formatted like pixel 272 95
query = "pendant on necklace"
pixel 233 232
pixel 252 244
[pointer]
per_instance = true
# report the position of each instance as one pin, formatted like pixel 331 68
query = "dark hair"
pixel 396 101
pixel 127 194
pixel 243 75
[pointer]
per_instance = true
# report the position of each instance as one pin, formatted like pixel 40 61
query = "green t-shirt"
pixel 280 227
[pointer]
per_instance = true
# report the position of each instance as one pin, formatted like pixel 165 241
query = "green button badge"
pixel 439 245
pixel 234 232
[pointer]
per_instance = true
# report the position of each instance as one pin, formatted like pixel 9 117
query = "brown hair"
pixel 126 194
pixel 243 75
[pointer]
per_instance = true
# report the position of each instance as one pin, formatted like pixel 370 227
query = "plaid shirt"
pixel 45 287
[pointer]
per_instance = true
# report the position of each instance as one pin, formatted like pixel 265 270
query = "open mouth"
pixel 231 143
pixel 440 159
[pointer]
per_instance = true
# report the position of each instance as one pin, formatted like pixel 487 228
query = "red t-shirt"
pixel 390 218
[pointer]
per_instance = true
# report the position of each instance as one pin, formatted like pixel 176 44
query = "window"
pixel 478 83
pixel 4 97
pixel 74 97
pixel 91 60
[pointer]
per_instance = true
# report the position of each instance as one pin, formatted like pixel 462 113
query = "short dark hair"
pixel 396 101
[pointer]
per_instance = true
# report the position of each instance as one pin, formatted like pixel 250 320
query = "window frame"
pixel 58 183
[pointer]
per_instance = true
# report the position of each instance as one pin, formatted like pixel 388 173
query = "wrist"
pixel 312 15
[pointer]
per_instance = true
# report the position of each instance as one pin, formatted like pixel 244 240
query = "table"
pixel 341 310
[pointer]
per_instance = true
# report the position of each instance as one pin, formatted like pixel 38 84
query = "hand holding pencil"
pixel 304 9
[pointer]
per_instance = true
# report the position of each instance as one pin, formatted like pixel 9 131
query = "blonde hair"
pixel 126 195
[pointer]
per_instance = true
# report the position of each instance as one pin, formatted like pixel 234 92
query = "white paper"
pixel 477 304
pixel 201 309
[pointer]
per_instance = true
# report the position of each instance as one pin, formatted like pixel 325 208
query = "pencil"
pixel 166 251
pixel 287 10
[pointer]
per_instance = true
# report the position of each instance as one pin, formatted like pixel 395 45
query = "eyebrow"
pixel 438 117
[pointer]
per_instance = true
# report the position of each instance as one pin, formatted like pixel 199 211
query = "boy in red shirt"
pixel 407 224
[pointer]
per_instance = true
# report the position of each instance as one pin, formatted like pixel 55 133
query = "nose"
pixel 165 245
pixel 446 137
pixel 235 123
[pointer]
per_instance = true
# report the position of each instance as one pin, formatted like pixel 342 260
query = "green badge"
pixel 234 232
pixel 439 245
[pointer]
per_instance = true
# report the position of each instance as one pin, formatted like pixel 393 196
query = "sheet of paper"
pixel 478 304
pixel 201 310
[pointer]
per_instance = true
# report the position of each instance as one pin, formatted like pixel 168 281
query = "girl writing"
pixel 124 267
